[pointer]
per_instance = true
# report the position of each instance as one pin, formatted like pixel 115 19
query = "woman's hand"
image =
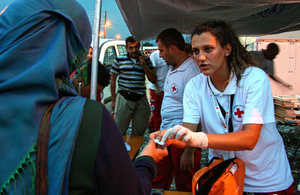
pixel 158 135
pixel 183 134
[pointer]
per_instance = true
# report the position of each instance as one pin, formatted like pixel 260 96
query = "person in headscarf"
pixel 42 42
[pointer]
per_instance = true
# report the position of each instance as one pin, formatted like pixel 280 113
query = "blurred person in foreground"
pixel 229 81
pixel 51 39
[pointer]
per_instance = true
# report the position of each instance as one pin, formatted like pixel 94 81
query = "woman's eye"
pixel 195 51
pixel 208 49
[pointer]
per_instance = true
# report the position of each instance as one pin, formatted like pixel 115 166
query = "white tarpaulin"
pixel 147 18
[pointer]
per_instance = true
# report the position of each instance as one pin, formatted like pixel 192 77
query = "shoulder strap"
pixel 41 183
pixel 230 118
pixel 85 152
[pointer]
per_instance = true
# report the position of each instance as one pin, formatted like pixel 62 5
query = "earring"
pixel 227 54
pixel 79 88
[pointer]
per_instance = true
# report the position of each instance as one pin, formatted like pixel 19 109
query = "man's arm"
pixel 113 79
pixel 158 91
pixel 150 75
pixel 278 80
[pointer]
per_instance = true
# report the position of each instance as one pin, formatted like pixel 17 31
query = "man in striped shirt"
pixel 131 103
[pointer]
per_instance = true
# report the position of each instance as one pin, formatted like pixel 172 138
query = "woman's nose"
pixel 202 57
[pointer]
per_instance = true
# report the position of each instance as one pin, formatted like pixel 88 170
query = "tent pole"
pixel 95 60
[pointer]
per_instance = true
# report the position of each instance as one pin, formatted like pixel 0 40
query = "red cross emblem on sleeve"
pixel 239 113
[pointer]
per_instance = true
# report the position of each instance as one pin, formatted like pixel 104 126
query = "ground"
pixel 291 137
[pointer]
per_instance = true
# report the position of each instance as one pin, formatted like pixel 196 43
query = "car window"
pixel 109 56
pixel 122 49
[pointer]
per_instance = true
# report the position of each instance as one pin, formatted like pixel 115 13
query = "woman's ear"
pixel 228 49
pixel 78 85
pixel 79 80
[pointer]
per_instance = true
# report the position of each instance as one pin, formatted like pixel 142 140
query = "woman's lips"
pixel 203 66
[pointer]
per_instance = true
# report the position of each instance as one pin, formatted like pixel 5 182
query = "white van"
pixel 109 49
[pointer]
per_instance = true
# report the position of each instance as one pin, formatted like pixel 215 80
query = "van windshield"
pixel 122 49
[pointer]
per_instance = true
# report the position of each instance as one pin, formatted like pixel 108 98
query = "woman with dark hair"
pixel 231 101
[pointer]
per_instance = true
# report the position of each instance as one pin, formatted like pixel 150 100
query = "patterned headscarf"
pixel 41 42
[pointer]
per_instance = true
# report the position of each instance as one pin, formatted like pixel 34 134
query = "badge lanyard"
pixel 224 118
pixel 222 115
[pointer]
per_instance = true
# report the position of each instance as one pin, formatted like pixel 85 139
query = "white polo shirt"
pixel 161 70
pixel 267 166
pixel 176 80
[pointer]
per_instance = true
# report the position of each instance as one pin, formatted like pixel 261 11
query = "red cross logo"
pixel 239 112
pixel 174 88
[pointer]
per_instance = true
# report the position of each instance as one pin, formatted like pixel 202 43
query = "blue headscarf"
pixel 41 42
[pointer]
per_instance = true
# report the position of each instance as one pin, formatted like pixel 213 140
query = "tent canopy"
pixel 146 19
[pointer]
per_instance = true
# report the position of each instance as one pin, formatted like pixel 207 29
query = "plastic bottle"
pixel 297 192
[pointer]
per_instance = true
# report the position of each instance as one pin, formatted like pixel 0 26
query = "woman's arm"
pixel 236 141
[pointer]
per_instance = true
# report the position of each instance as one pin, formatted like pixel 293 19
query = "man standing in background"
pixel 157 90
pixel 131 103
pixel 181 163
